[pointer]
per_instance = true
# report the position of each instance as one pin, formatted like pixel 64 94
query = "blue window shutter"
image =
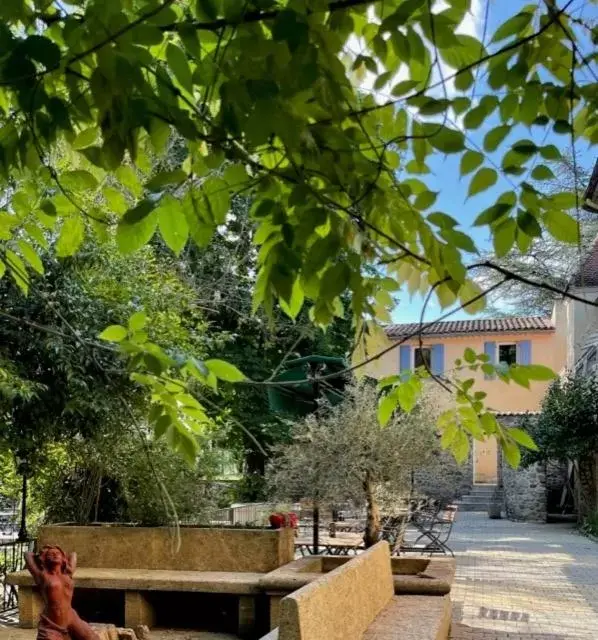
pixel 404 357
pixel 524 352
pixel 490 351
pixel 437 364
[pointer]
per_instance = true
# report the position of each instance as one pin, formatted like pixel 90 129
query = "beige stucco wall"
pixel 548 348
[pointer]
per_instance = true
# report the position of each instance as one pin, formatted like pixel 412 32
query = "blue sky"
pixel 445 169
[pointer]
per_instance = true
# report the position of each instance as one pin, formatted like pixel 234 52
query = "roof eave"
pixel 456 334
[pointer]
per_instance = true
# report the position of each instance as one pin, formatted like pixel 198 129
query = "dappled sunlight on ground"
pixel 519 581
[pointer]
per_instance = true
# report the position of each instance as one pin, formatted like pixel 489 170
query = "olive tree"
pixel 342 453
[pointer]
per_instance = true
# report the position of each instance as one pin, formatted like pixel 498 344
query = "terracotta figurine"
pixel 53 572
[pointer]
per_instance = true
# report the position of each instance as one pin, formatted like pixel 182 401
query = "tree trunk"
pixel 372 522
pixel 587 490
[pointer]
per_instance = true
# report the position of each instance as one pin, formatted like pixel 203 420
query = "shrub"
pixel 126 479
pixel 590 524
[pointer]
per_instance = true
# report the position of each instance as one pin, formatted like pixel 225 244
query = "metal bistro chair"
pixel 393 531
pixel 436 532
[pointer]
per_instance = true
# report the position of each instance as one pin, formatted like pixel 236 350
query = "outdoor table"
pixel 346 526
pixel 333 546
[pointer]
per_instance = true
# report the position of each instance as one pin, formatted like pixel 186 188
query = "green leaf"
pixel 528 224
pixel 425 200
pixel 460 447
pixel 470 161
pixel 562 226
pixel 225 370
pixel 293 307
pixel 468 50
pixel 519 375
pixel 494 138
pixel 114 333
pixel 493 213
pixel 469 355
pixel 513 26
pixel 386 408
pixel 165 178
pixel 207 8
pixel 17 270
pixel 30 255
pixel 179 65
pixel 483 180
pixel 403 87
pixel 475 117
pixel 470 295
pixel 442 220
pixel 459 239
pixel 85 138
pixel 137 227
pixel 542 172
pixel 71 236
pixel 550 152
pixel 128 178
pixel 173 224
pixel 137 321
pixel 511 453
pixel 42 50
pixel 115 199
pixel 464 80
pixel 78 180
pixel 406 396
pixel 539 372
pixel 443 138
pixel 503 237
pixel 523 438
pixel 564 200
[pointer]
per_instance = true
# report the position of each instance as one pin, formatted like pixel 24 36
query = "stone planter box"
pixel 197 549
pixel 411 576
pixel 137 566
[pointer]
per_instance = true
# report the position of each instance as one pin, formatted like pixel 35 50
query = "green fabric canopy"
pixel 302 399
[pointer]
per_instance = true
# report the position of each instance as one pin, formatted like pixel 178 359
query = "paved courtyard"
pixel 518 581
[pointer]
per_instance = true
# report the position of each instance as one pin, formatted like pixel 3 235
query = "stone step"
pixel 483 488
pixel 476 496
pixel 473 507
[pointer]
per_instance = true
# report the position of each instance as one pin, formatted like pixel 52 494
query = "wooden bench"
pixel 356 601
pixel 136 561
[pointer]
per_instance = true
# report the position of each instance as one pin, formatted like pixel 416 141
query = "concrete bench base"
pixel 136 582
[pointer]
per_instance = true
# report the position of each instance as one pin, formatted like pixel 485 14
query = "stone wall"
pixel 525 493
pixel 444 479
pixel 524 489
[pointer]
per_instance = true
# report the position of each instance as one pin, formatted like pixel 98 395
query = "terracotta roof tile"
pixel 478 325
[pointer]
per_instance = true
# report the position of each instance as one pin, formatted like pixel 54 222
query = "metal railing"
pixel 11 559
pixel 244 514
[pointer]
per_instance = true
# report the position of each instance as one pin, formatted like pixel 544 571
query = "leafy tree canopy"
pixel 264 98
pixel 567 427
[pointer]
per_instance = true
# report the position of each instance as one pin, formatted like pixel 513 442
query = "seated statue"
pixel 53 572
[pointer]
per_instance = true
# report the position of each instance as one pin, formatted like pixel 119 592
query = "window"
pixel 507 354
pixel 421 357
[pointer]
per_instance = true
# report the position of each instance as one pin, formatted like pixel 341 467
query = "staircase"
pixel 478 498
